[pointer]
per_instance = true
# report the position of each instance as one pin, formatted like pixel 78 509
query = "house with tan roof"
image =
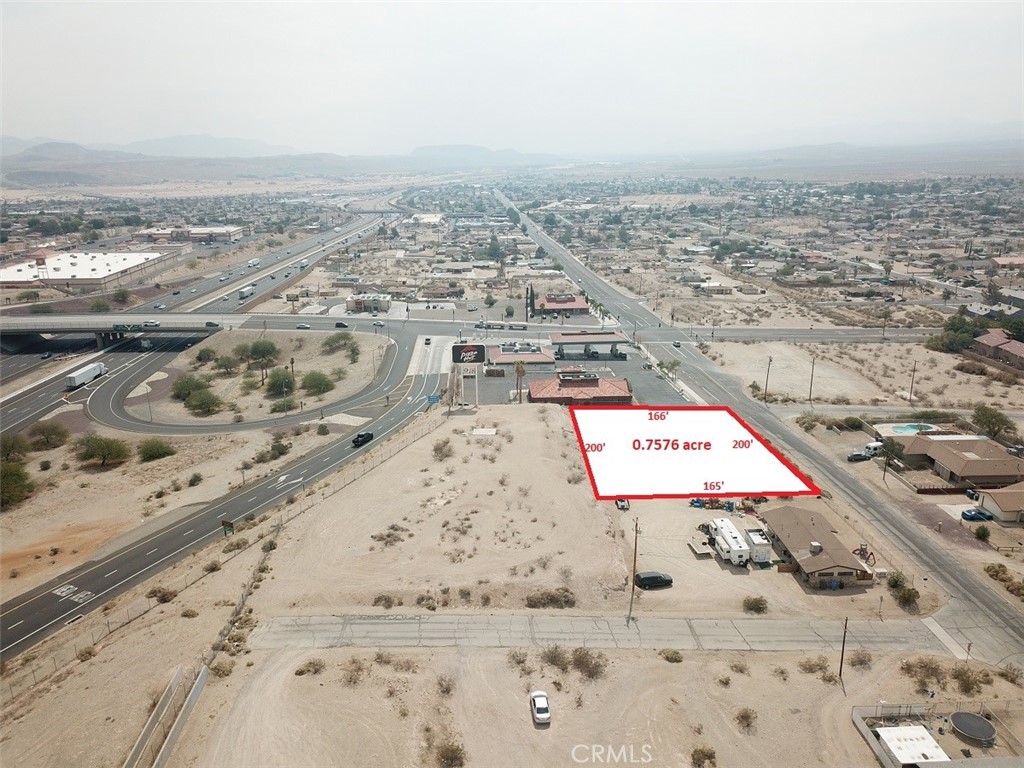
pixel 967 460
pixel 1006 504
pixel 807 539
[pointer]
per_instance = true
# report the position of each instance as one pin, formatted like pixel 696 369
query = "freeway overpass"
pixel 112 326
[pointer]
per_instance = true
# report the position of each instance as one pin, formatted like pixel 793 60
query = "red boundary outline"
pixel 812 489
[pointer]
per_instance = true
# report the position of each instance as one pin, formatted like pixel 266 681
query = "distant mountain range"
pixel 60 163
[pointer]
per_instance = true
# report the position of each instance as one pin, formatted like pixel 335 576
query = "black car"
pixel 362 439
pixel 46 355
pixel 211 324
pixel 175 293
pixel 652 579
pixel 858 456
pixel 340 324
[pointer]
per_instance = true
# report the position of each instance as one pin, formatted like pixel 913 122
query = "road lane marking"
pixel 186 533
pixel 15 624
pixel 110 574
pixel 152 551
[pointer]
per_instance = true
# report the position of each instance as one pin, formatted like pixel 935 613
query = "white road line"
pixel 326 459
pixel 253 498
pixel 186 533
pixel 151 551
pixel 111 573
pixel 15 624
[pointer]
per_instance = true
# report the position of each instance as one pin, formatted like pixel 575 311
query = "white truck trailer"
pixel 729 544
pixel 245 293
pixel 253 263
pixel 760 546
pixel 75 379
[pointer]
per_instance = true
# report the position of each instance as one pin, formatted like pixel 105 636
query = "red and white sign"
pixel 678 452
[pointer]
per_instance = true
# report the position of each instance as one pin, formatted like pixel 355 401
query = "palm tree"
pixel 520 367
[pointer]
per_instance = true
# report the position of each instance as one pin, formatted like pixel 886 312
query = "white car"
pixel 151 324
pixel 540 707
pixel 303 326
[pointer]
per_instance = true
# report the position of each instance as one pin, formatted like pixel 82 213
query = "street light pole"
pixel 766 379
pixel 810 392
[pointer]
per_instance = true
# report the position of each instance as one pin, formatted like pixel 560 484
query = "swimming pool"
pixel 910 429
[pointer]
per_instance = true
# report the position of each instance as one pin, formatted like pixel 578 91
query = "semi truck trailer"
pixel 245 293
pixel 75 379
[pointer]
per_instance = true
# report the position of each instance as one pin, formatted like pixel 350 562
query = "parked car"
pixel 151 324
pixel 652 580
pixel 540 707
pixel 857 456
pixel 972 494
pixel 302 326
pixel 976 514
pixel 340 324
pixel 362 439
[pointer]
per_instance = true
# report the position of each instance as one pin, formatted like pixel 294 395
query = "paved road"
pixel 509 631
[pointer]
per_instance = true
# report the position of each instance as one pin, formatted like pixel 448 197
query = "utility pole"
pixel 632 585
pixel 767 373
pixel 842 652
pixel 913 371
pixel 810 392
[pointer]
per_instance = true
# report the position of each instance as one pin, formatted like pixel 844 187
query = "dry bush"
pixel 212 567
pixel 311 667
pixel 445 685
pixel 1011 673
pixel 384 600
pixel 702 757
pixel 671 655
pixel 516 657
pixel 925 672
pixel 740 668
pixel 725 681
pixel 782 673
pixel 755 604
pixel 557 657
pixel 860 659
pixel 746 718
pixel 813 666
pixel 162 594
pixel 560 597
pixel 84 654
pixel 590 664
pixel 235 544
pixel 189 613
pixel 393 535
pixel 970 681
pixel 451 754
pixel 443 449
pixel 354 671
pixel 222 667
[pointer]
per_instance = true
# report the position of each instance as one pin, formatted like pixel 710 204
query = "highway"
pixel 976 614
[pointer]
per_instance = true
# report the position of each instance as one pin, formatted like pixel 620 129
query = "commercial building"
pixel 225 234
pixel 574 386
pixel 805 538
pixel 88 271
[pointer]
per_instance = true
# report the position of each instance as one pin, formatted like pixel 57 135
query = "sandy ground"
pixel 876 374
pixel 499 518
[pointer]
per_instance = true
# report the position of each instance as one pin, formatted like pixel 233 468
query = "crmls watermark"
pixel 606 754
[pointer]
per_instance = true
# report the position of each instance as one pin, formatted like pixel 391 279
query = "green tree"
pixel 335 342
pixel 494 252
pixel 105 450
pixel 185 385
pixel 226 363
pixel 48 434
pixel 121 295
pixel 243 352
pixel 550 220
pixel 893 448
pixel 280 382
pixel 42 309
pixel 992 295
pixel 264 353
pixel 203 402
pixel 509 311
pixel 154 448
pixel 15 484
pixel 489 301
pixel 353 352
pixel 624 235
pixel 993 422
pixel 14 447
pixel 317 383
pixel 205 355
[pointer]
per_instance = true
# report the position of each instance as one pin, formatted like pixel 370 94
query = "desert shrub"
pixel 516 657
pixel 323 429
pixel 186 385
pixel 84 654
pixel 203 403
pixel 384 600
pixel 969 681
pixel 311 667
pixel 443 449
pixel 740 668
pixel 556 656
pixel 354 672
pixel 671 655
pixel 189 613
pixel 896 580
pixel 925 672
pixel 972 367
pixel 982 533
pixel 44 465
pixel 755 604
pixel 212 567
pixel 781 672
pixel 703 756
pixel 283 405
pixel 317 383
pixel 725 681
pixel 194 479
pixel 162 594
pixel 269 545
pixel 746 718
pixel 47 434
pixel 590 664
pixel 205 355
pixel 445 685
pixel 235 544
pixel 813 666
pixel 906 597
pixel 154 448
pixel 222 667
pixel 560 597
pixel 15 484
pixel 451 754
pixel 1011 673
pixel 860 658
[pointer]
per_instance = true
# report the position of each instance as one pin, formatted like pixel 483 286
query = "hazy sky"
pixel 565 78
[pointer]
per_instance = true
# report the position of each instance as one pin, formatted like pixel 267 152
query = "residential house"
pixel 805 538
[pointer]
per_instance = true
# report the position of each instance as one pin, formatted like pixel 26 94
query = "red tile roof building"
pixel 574 386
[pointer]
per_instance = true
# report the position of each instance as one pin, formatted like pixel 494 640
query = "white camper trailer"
pixel 760 546
pixel 729 544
